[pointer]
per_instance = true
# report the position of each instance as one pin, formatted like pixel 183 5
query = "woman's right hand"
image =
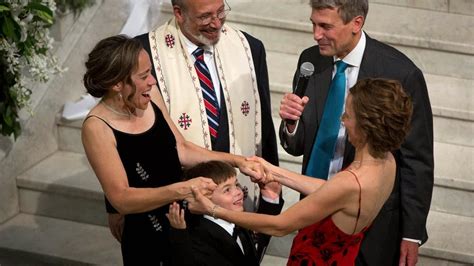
pixel 205 185
pixel 201 204
pixel 176 216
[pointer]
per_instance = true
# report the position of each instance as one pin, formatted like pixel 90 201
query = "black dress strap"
pixel 103 120
pixel 360 199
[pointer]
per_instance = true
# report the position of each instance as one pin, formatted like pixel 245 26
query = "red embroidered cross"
pixel 185 121
pixel 245 108
pixel 169 39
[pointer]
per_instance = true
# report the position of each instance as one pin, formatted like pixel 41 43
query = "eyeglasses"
pixel 208 18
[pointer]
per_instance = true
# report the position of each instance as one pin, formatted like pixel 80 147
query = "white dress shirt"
pixel 353 59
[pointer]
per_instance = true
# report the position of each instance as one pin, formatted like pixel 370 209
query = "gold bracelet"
pixel 213 211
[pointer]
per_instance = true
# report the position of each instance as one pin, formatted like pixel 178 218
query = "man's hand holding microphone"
pixel 292 104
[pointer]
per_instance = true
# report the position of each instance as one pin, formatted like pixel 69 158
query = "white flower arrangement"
pixel 25 56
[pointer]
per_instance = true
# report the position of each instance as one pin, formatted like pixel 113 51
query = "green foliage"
pixel 25 55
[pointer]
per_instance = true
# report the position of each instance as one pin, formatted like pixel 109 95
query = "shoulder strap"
pixel 103 120
pixel 360 199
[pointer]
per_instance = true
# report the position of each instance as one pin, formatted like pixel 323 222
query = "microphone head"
pixel 306 69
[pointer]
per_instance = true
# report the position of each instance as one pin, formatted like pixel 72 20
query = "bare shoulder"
pixel 95 130
pixel 345 179
pixel 343 183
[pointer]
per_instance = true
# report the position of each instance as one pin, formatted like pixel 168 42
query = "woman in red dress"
pixel 335 213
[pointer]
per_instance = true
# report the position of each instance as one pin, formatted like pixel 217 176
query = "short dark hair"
pixel 218 171
pixel 383 113
pixel 347 9
pixel 112 60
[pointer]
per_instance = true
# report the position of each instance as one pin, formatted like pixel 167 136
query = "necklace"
pixel 113 110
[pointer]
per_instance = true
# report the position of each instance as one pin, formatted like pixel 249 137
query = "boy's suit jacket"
pixel 206 243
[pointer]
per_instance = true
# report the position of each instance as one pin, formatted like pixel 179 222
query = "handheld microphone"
pixel 306 71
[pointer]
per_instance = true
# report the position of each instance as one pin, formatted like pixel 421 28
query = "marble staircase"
pixel 61 215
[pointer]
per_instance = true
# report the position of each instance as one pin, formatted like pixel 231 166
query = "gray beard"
pixel 199 37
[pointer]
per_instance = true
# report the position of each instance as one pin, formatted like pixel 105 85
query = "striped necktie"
pixel 208 92
pixel 325 143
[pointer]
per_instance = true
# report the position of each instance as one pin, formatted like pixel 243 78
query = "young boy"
pixel 205 240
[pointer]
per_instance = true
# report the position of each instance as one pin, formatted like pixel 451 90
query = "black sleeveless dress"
pixel 150 160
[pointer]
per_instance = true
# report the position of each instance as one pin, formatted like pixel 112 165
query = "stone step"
pixel 50 241
pixel 69 135
pixel 62 186
pixel 453 7
pixel 450 237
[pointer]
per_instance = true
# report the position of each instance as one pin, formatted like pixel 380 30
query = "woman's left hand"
pixel 252 168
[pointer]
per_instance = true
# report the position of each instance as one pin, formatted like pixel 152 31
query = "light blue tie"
pixel 323 148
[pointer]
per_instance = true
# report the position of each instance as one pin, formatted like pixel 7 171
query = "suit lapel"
pixel 319 86
pixel 367 70
pixel 321 83
pixel 221 240
pixel 368 65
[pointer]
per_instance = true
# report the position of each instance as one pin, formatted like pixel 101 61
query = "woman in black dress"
pixel 136 151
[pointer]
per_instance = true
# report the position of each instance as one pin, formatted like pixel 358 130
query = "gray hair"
pixel 347 9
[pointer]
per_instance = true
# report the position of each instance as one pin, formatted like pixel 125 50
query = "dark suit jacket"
pixel 405 212
pixel 205 243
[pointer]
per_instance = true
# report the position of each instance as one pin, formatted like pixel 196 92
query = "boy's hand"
pixel 176 216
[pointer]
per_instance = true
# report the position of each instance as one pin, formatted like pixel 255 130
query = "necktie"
pixel 236 232
pixel 244 239
pixel 323 148
pixel 208 92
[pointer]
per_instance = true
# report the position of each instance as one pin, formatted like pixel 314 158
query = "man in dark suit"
pixel 208 241
pixel 400 227
pixel 243 91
